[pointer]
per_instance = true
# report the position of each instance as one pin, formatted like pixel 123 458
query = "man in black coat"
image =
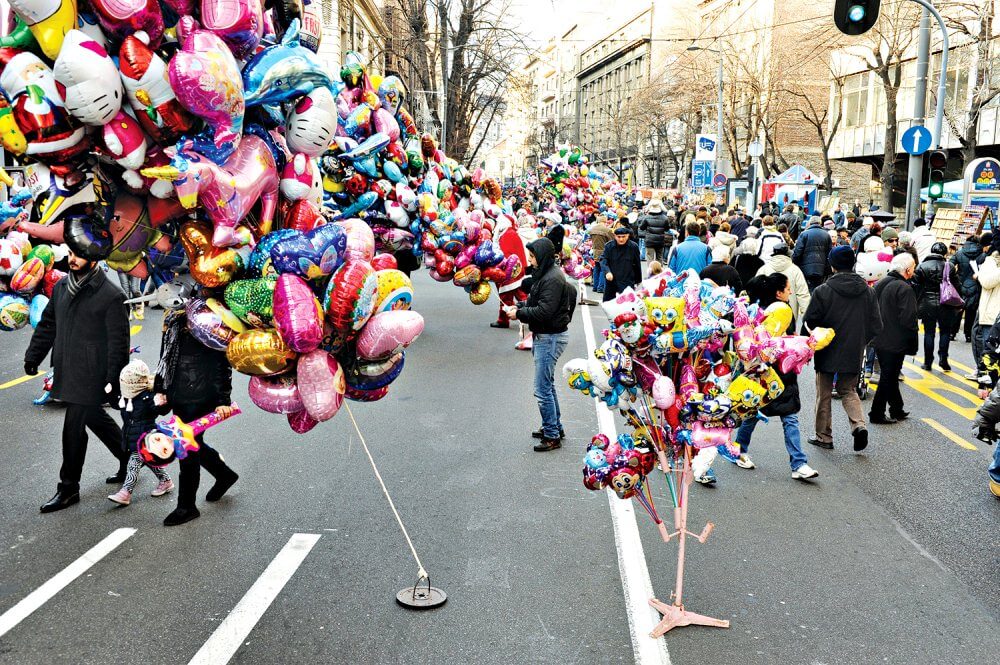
pixel 623 264
pixel 654 224
pixel 898 306
pixel 811 250
pixel 85 326
pixel 848 305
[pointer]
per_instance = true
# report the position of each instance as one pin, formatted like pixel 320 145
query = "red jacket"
pixel 511 243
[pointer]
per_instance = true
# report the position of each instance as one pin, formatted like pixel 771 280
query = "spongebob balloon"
pixel 746 395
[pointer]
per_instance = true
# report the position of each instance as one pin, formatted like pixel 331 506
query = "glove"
pixel 30 369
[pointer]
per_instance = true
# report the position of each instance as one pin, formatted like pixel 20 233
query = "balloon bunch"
pixel 685 362
pixel 27 277
pixel 579 189
pixel 578 261
pixel 621 465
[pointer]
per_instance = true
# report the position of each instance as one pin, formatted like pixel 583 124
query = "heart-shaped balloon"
pixel 388 333
pixel 210 266
pixel 311 255
pixel 297 314
pixel 302 216
pixel 301 422
pixel 252 300
pixel 488 254
pixel 259 263
pixel 467 276
pixel 372 375
pixel 321 384
pixel 276 394
pixel 350 296
pixel 211 323
pixel 360 240
pixel 259 353
pixel 384 262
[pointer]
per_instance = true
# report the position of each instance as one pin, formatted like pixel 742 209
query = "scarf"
pixel 170 349
pixel 74 283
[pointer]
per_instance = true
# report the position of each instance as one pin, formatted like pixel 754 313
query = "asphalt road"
pixel 888 557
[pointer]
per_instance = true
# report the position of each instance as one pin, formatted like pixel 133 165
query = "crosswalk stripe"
pixel 42 594
pixel 229 636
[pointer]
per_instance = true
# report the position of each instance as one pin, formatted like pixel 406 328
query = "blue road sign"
pixel 701 173
pixel 720 180
pixel 916 140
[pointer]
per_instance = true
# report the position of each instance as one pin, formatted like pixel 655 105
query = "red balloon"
pixel 385 262
pixel 301 422
pixel 302 216
pixel 351 296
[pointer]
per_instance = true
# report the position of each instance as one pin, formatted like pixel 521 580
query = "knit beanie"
pixel 842 258
pixel 135 377
pixel 890 234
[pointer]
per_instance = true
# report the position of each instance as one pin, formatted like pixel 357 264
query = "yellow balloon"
pixel 48 20
pixel 822 338
pixel 395 290
pixel 777 318
pixel 259 352
pixel 480 293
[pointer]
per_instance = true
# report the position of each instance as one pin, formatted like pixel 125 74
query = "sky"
pixel 541 19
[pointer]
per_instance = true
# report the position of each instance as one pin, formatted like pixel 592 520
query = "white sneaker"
pixel 805 472
pixel 744 462
pixel 972 376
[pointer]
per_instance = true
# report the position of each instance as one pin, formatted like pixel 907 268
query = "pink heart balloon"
pixel 321 383
pixel 388 333
pixel 276 394
pixel 297 314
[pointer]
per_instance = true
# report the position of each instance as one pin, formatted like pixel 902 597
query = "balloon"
pixel 663 392
pixel 297 314
pixel 388 333
pixel 210 266
pixel 276 394
pixel 283 71
pixel 392 93
pixel 14 312
pixel 297 177
pixel 364 375
pixel 11 137
pixel 311 125
pixel 321 384
pixel 480 293
pixel 48 20
pixel 395 291
pixel 301 422
pixel 350 296
pixel 259 262
pixel 252 300
pixel 360 240
pixel 467 276
pixel 37 308
pixel 89 79
pixel 384 262
pixel 50 280
pixel 302 216
pixel 121 18
pixel 227 192
pixel 211 323
pixel 777 318
pixel 11 257
pixel 259 352
pixel 206 79
pixel 87 237
pixel 310 255
pixel 311 33
pixel 147 86
pixel 240 23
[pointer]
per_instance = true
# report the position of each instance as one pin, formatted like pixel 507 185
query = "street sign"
pixel 705 147
pixel 719 180
pixel 701 173
pixel 755 149
pixel 916 140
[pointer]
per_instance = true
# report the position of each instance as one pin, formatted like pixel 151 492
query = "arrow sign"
pixel 916 140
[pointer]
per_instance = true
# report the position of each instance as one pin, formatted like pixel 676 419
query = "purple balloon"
pixel 311 255
pixel 276 394
pixel 208 327
pixel 297 314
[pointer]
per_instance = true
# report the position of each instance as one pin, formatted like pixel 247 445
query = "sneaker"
pixel 995 488
pixel 707 479
pixel 538 434
pixel 122 497
pixel 546 445
pixel 164 487
pixel 805 472
pixel 140 311
pixel 860 439
pixel 826 445
pixel 744 462
pixel 972 376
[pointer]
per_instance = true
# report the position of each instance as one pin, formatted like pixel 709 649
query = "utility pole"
pixel 443 7
pixel 915 171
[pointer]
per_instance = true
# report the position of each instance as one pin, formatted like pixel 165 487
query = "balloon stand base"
pixel 676 615
pixel 421 596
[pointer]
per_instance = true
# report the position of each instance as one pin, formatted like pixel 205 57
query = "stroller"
pixel 868 362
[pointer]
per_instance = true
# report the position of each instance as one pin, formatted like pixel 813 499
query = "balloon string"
pixel 421 572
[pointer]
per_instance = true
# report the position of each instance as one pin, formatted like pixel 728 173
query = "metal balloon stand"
pixel 674 614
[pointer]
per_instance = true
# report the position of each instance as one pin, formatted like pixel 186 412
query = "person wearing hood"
pixel 922 239
pixel 622 263
pixel 898 308
pixel 811 250
pixel 85 326
pixel 725 238
pixel 548 312
pixel 781 262
pixel 746 261
pixel 653 225
pixel 933 314
pixel 849 306
pixel 769 237
pixel 962 262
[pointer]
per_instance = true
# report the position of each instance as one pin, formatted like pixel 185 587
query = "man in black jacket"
pixel 811 250
pixel 548 312
pixel 898 306
pixel 624 268
pixel 654 225
pixel 85 325
pixel 848 305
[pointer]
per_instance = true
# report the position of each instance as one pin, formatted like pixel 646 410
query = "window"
pixel 856 96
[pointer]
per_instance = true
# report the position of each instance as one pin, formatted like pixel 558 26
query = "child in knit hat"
pixel 138 417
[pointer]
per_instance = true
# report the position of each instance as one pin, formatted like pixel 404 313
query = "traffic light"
pixel 937 161
pixel 855 17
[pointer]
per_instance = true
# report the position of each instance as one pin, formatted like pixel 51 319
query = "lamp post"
pixel 718 147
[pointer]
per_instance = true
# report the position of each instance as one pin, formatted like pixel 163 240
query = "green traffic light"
pixel 856 13
pixel 935 190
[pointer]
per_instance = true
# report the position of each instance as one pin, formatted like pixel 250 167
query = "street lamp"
pixel 718 147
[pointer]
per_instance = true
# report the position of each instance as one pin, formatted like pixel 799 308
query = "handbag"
pixel 949 294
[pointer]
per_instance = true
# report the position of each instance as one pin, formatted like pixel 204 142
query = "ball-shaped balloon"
pixel 276 394
pixel 388 333
pixel 211 323
pixel 259 353
pixel 43 252
pixel 27 277
pixel 351 296
pixel 11 257
pixel 321 384
pixel 480 293
pixel 664 394
pixel 297 314
pixel 395 291
pixel 14 312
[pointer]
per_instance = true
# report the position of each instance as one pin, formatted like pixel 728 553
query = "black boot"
pixel 62 499
pixel 222 484
pixel 180 516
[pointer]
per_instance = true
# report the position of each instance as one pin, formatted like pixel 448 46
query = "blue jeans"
pixel 642 248
pixel 546 349
pixel 793 444
pixel 599 272
pixel 995 466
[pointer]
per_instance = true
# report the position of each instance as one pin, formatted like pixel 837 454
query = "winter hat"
pixel 828 225
pixel 842 258
pixel 939 248
pixel 814 221
pixel 720 253
pixel 780 249
pixel 889 234
pixel 622 231
pixel 655 206
pixel 919 221
pixel 135 377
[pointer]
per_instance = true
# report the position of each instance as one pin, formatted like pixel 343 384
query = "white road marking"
pixel 636 583
pixel 62 579
pixel 229 636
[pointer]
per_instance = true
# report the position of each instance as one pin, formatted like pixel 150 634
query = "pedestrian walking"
pixel 987 416
pixel 85 326
pixel 767 290
pixel 811 250
pixel 548 312
pixel 962 263
pixel 897 303
pixel 621 260
pixel 746 261
pixel 768 238
pixel 720 272
pixel 194 380
pixel 934 314
pixel 138 417
pixel 780 261
pixel 922 238
pixel 653 226
pixel 848 305
pixel 600 236
pixel 692 253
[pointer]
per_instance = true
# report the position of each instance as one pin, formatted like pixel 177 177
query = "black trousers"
pixel 814 281
pixel 206 456
pixel 943 318
pixel 79 418
pixel 887 393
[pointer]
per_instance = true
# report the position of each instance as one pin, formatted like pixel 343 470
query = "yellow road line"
pixel 949 434
pixel 930 386
pixel 134 330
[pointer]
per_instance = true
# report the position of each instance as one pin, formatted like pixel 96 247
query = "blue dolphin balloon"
pixel 283 71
